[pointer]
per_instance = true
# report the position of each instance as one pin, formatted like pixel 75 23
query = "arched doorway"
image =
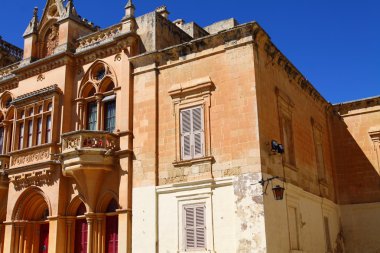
pixel 81 230
pixel 30 222
pixel 112 227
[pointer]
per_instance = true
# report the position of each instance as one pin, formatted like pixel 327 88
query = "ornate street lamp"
pixel 278 191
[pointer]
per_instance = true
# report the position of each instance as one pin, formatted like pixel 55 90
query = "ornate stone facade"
pixel 159 136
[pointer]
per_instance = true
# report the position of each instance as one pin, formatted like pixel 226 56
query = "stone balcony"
pixel 87 156
pixel 89 148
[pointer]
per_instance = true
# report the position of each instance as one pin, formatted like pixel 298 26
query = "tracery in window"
pixel 97 99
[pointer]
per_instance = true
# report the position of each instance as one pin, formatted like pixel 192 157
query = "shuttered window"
pixel 195 227
pixel 192 133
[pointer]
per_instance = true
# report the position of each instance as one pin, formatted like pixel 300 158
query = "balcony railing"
pixel 84 140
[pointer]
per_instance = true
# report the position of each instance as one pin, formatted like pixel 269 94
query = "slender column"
pixel 90 236
pixel 16 238
pixel 21 243
pixel 69 225
pixel 80 114
pixel 99 98
pixel 100 220
pixel 7 136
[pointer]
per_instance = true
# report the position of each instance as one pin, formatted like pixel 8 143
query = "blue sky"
pixel 334 43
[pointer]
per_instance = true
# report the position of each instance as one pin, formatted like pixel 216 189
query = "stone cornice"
pixel 116 44
pixel 276 57
pixel 178 52
pixel 45 92
pixel 43 65
pixel 344 108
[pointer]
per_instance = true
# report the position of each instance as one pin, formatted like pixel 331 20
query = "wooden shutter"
pixel 197 129
pixel 192 133
pixel 186 134
pixel 200 227
pixel 195 227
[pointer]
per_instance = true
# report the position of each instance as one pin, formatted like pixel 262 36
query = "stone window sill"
pixel 206 159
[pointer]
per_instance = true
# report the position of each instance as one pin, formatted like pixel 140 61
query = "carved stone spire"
pixel 129 21
pixel 70 11
pixel 33 24
pixel 129 10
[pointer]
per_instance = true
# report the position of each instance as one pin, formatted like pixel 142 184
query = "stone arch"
pixel 9 115
pixel 105 199
pixel 106 85
pixel 74 205
pixel 32 205
pixel 5 99
pixel 48 37
pixel 91 76
pixel 86 90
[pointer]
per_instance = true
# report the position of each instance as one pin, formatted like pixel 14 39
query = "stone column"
pixel 81 121
pixel 99 98
pixel 90 217
pixel 69 230
pixel 100 233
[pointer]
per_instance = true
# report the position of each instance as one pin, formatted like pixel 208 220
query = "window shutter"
pixel 195 227
pixel 186 134
pixel 197 127
pixel 190 227
pixel 200 227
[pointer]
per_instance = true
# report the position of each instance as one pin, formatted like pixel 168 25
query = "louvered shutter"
pixel 195 227
pixel 197 129
pixel 186 134
pixel 190 228
pixel 200 227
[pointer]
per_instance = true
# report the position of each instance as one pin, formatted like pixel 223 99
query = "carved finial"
pixel 129 10
pixel 35 12
pixel 70 11
pixel 33 24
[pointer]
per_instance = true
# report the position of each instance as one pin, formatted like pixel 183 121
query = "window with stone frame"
pixel 285 109
pixel 191 109
pixel 192 133
pixel 318 149
pixel 194 227
pixel 96 102
pixel 34 124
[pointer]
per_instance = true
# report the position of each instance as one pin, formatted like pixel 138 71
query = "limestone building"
pixel 159 136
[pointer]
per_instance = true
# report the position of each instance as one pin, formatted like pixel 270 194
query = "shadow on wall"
pixel 356 178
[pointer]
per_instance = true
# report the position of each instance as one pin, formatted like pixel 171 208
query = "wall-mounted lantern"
pixel 278 191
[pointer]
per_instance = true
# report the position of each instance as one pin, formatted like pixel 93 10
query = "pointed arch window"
pixel 81 230
pixel 97 102
pixel 112 230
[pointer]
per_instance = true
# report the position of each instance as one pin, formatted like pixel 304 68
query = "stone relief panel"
pixel 30 157
pixel 51 41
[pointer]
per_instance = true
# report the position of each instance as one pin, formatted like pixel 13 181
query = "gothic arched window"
pixel 97 99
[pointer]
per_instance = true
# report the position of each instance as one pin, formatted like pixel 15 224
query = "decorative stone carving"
pixel 51 40
pixel 89 139
pixel 37 178
pixel 30 157
pixel 40 77
pixel 99 38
